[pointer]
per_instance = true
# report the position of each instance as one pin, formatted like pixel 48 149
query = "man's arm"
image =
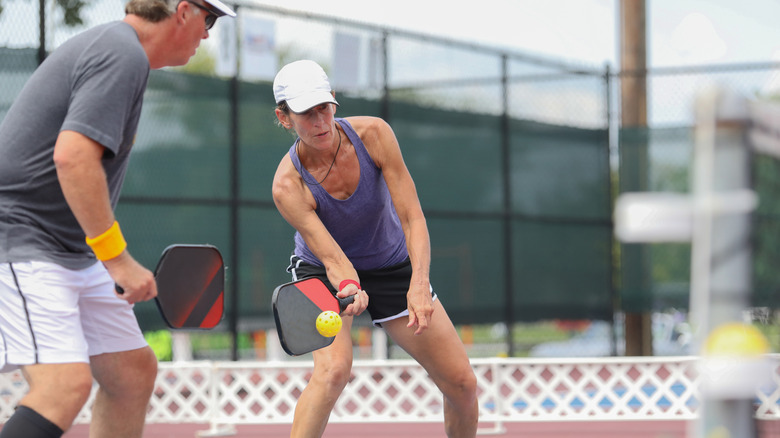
pixel 83 182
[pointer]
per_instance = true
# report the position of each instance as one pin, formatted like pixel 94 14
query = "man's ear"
pixel 181 11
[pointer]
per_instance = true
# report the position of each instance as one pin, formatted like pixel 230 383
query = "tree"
pixel 71 11
pixel 203 63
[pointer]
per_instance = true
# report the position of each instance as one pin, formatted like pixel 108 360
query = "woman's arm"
pixel 384 149
pixel 296 204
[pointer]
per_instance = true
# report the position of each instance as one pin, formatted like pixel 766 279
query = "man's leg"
pixel 57 394
pixel 441 352
pixel 29 424
pixel 126 382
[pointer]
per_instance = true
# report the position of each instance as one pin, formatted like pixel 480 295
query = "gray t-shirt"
pixel 92 84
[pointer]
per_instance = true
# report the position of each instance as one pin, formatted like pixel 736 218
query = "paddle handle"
pixel 344 302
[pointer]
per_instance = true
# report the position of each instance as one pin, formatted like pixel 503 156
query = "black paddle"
pixel 190 286
pixel 296 306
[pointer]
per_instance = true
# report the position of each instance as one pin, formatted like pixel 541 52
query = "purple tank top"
pixel 365 225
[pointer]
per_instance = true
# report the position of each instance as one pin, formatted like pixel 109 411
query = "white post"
pixel 378 343
pixel 181 346
pixel 721 260
pixel 273 348
pixel 716 219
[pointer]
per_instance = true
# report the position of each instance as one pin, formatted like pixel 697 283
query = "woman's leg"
pixel 440 351
pixel 332 368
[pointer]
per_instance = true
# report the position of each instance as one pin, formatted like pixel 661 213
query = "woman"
pixel 345 188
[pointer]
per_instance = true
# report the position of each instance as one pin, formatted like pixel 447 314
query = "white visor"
pixel 220 8
pixel 303 85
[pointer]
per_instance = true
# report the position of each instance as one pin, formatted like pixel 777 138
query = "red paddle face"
pixel 190 286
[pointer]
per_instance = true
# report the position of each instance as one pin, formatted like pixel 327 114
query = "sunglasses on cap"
pixel 211 17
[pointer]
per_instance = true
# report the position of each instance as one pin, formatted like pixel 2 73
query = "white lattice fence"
pixel 572 390
pixel 183 393
pixel 227 393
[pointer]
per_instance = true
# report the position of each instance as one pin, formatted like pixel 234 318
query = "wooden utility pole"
pixel 633 61
pixel 633 87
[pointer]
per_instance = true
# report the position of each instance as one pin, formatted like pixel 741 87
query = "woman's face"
pixel 315 127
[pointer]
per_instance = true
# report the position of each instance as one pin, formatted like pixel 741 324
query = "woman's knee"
pixel 333 373
pixel 333 365
pixel 462 386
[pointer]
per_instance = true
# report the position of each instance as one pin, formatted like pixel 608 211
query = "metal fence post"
pixel 506 172
pixel 41 31
pixel 234 200
pixel 611 282
pixel 385 80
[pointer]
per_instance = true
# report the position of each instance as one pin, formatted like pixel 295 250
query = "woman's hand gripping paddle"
pixel 296 306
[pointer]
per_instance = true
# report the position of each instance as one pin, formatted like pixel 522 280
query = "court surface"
pixel 578 429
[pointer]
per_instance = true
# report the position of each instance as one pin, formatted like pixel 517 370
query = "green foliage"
pixel 218 341
pixel 290 52
pixel 71 11
pixel 203 63
pixel 161 343
pixel 772 333
pixel 671 262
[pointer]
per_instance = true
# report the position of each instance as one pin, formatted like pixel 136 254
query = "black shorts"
pixel 386 287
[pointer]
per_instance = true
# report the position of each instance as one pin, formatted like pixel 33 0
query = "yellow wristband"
pixel 109 244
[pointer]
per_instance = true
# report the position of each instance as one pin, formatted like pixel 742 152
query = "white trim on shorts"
pixel 292 268
pixel 378 322
pixel 50 314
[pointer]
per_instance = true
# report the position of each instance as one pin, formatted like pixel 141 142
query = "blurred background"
pixel 520 121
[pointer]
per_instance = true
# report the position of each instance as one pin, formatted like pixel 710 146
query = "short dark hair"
pixel 152 10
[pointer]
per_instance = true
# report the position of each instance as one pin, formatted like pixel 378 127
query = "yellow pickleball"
pixel 736 340
pixel 328 323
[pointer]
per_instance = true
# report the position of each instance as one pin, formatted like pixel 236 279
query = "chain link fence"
pixel 516 157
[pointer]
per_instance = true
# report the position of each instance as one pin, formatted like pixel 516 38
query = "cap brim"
pixel 220 8
pixel 310 100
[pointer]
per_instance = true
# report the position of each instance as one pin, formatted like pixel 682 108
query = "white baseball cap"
pixel 302 84
pixel 220 8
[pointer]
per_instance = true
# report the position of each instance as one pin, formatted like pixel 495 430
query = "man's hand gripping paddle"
pixel 190 286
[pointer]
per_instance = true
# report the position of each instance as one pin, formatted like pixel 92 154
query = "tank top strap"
pixel 360 148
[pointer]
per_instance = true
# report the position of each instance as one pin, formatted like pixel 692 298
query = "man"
pixel 64 149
